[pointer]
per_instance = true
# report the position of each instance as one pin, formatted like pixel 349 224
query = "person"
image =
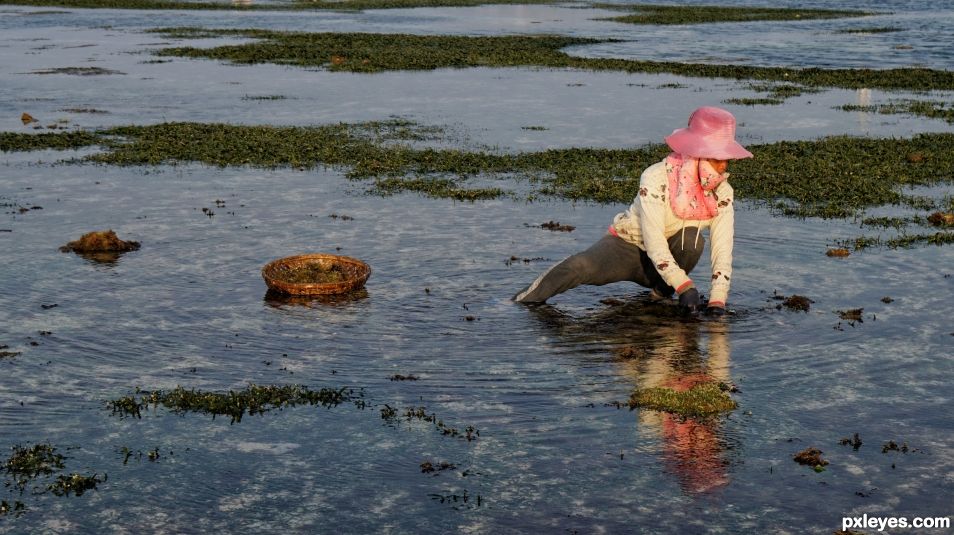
pixel 658 240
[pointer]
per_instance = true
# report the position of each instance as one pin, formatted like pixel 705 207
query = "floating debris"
pixel 513 259
pixel 794 302
pixel 854 442
pixel 886 299
pixel 851 315
pixel 26 118
pixel 838 252
pixel 399 377
pixel 428 467
pixel 941 219
pixel 703 399
pixel 557 227
pixel 811 457
pixel 893 446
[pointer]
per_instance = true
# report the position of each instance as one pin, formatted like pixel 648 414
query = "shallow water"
pixel 554 453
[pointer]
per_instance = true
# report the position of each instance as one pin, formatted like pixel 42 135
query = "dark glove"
pixel 689 301
pixel 716 310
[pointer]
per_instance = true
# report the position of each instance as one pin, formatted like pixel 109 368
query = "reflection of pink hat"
pixel 711 134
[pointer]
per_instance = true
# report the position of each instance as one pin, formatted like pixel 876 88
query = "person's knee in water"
pixel 658 240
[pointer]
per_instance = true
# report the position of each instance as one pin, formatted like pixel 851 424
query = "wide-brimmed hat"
pixel 711 134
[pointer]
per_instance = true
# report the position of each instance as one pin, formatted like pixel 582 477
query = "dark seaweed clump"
pixel 100 241
pixel 366 52
pixel 255 399
pixel 811 457
pixel 798 303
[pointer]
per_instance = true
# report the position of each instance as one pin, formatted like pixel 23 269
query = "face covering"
pixel 692 184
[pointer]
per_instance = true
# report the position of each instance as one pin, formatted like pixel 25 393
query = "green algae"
pixel 777 93
pixel 255 399
pixel 295 5
pixel 921 108
pixel 29 462
pixel 704 399
pixel 368 53
pixel 671 14
pixel 12 141
pixel 75 484
pixel 441 188
pixel 829 178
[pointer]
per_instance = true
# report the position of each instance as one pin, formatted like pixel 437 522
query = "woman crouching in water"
pixel 657 241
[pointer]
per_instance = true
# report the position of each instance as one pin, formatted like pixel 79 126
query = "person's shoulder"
pixel 724 189
pixel 654 174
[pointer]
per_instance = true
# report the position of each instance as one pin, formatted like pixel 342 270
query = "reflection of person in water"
pixel 658 240
pixel 692 448
pixel 655 348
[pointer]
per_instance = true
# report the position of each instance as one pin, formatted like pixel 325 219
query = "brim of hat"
pixel 689 144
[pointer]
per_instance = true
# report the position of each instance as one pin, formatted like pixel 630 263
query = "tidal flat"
pixel 459 186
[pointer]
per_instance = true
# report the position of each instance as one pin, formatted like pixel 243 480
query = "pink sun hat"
pixel 711 134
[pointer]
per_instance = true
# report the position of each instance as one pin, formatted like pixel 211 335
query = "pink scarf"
pixel 692 184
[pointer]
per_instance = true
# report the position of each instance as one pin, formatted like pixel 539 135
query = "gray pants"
pixel 612 259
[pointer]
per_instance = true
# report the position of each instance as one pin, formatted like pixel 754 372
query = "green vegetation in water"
pixel 78 71
pixel 762 101
pixel 255 399
pixel 295 5
pixel 17 508
pixel 10 141
pixel 880 29
pixel 29 462
pixel 704 399
pixel 469 433
pixel 777 94
pixel 904 241
pixel 434 187
pixel 669 14
pixel 8 354
pixel 830 178
pixel 366 52
pixel 921 108
pixel 75 484
pixel 888 222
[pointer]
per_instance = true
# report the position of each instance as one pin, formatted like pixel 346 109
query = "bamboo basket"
pixel 355 271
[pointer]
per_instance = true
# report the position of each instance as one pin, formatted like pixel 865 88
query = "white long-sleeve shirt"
pixel 650 222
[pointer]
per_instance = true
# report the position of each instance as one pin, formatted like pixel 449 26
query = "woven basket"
pixel 356 273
